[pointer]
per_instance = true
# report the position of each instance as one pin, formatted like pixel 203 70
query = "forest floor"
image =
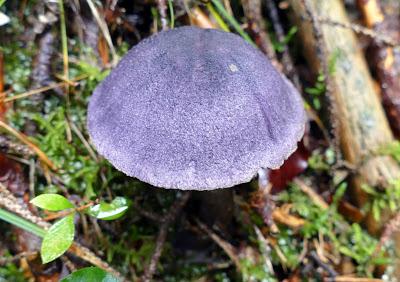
pixel 330 213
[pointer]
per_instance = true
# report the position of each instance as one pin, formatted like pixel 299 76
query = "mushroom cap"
pixel 195 109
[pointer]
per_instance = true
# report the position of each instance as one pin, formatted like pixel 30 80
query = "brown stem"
pixel 69 211
pixel 168 219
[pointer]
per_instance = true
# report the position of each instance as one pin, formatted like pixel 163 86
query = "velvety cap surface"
pixel 195 109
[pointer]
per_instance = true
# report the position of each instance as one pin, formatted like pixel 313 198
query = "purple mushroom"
pixel 195 109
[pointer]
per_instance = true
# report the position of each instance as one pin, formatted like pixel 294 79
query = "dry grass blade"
pixel 104 29
pixel 317 199
pixel 226 246
pixel 281 215
pixel 85 143
pixel 34 91
pixel 43 89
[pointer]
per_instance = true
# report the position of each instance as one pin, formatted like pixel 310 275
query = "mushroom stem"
pixel 216 209
pixel 263 179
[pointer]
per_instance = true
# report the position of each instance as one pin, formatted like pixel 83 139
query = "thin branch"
pixel 361 30
pixel 148 214
pixel 41 89
pixel 168 219
pixel 10 147
pixel 104 29
pixel 317 199
pixel 85 143
pixel 226 246
pixel 287 62
pixel 313 255
pixel 69 211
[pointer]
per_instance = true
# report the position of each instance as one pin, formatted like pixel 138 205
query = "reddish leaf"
pixel 292 167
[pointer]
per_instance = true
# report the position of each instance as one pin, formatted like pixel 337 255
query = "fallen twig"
pixel 256 26
pixel 313 255
pixel 287 62
pixel 148 214
pixel 8 146
pixel 41 89
pixel 104 29
pixel 69 211
pixel 317 199
pixel 162 235
pixel 361 30
pixel 226 246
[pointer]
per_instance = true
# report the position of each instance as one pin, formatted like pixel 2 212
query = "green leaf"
pixel 90 274
pixel 58 239
pixel 232 21
pixel 52 202
pixel 106 211
pixel 370 190
pixel 376 212
pixel 339 193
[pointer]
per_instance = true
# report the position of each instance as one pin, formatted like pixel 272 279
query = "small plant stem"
pixel 68 212
pixel 64 42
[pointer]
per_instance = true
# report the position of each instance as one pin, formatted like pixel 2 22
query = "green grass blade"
pixel 171 14
pixel 232 21
pixel 217 17
pixel 21 223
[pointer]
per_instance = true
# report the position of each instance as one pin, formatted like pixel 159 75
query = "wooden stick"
pixel 386 67
pixel 362 124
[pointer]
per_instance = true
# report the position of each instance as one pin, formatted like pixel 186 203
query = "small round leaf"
pixel 109 211
pixel 90 274
pixel 58 239
pixel 52 202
